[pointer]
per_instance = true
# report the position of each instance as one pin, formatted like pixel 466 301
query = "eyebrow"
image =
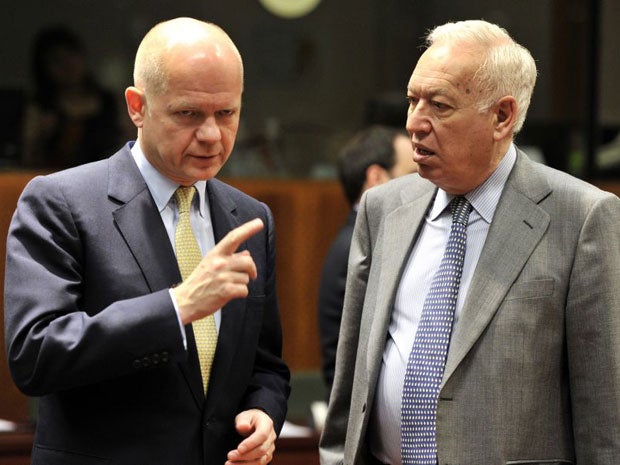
pixel 176 104
pixel 432 92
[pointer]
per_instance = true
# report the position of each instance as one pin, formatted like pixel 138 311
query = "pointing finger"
pixel 231 241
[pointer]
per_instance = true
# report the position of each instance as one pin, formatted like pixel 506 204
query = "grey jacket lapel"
pixel 401 229
pixel 518 225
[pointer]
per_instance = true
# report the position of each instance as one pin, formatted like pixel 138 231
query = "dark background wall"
pixel 310 82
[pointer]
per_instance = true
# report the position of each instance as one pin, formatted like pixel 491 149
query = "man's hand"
pixel 259 443
pixel 222 275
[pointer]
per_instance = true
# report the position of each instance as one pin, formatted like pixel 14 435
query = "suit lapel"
pixel 140 223
pixel 517 227
pixel 223 217
pixel 401 229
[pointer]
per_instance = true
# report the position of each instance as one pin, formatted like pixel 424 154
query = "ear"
pixel 136 105
pixel 505 117
pixel 376 175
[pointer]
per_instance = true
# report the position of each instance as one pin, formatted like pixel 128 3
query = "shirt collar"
pixel 162 188
pixel 485 197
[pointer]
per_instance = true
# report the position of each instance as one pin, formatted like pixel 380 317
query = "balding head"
pixel 186 101
pixel 179 37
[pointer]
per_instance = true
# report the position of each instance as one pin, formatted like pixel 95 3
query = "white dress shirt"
pixel 162 190
pixel 384 426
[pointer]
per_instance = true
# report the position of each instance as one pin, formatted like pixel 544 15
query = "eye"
pixel 187 113
pixel 226 113
pixel 412 100
pixel 440 105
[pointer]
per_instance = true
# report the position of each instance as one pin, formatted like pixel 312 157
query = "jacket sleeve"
pixel 332 443
pixel 593 335
pixel 53 341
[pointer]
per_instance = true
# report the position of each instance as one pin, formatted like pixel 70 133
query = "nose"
pixel 417 119
pixel 209 131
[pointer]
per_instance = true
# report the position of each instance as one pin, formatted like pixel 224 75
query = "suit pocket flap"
pixel 531 290
pixel 49 456
pixel 540 462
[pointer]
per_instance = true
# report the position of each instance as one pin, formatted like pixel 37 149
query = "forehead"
pixel 199 82
pixel 445 70
pixel 198 69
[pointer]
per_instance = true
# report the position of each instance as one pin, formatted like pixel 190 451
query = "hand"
pixel 222 275
pixel 259 443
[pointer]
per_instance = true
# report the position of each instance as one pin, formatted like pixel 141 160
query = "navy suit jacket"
pixel 91 328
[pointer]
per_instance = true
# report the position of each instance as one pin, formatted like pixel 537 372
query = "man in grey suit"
pixel 532 371
pixel 100 322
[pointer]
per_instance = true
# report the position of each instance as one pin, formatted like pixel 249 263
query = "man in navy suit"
pixel 98 319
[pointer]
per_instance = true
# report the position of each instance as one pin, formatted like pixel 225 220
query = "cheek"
pixel 466 140
pixel 229 134
pixel 180 139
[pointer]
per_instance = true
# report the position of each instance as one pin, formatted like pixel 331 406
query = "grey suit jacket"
pixel 91 328
pixel 533 370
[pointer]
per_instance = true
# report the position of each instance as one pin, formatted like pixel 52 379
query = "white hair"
pixel 506 69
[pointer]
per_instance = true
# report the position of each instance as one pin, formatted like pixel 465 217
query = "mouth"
pixel 203 157
pixel 422 151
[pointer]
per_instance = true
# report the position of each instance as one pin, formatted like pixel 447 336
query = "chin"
pixel 206 174
pixel 203 169
pixel 425 172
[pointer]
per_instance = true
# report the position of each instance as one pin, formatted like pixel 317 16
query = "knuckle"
pixel 218 264
pixel 234 290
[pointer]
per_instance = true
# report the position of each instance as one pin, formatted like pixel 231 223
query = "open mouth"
pixel 422 151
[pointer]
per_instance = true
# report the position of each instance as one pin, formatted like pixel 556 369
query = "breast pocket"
pixel 540 462
pixel 531 290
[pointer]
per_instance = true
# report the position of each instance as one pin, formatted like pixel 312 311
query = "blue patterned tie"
pixel 430 347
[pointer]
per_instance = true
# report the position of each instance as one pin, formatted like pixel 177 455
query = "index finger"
pixel 231 241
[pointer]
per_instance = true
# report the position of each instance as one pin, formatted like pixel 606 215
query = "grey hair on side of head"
pixel 507 69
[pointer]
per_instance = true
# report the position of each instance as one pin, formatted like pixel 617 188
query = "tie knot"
pixel 460 208
pixel 184 195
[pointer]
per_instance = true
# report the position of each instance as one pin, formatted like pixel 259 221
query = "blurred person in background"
pixel 70 119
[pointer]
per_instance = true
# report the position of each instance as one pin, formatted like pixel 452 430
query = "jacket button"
pixel 146 362
pixel 137 364
pixel 165 357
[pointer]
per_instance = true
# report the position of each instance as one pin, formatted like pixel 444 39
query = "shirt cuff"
pixel 176 309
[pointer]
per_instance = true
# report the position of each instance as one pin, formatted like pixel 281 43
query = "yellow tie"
pixel 189 256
